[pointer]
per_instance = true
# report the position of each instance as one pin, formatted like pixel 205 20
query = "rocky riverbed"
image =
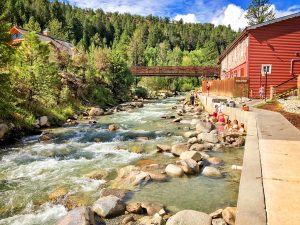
pixel 154 165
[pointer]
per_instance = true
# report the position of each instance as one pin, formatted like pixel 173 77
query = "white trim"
pixel 262 69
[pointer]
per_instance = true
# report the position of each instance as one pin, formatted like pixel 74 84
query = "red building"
pixel 272 47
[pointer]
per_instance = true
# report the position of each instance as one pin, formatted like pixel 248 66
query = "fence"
pixel 232 87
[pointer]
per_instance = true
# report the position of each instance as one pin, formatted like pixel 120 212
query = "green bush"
pixel 140 92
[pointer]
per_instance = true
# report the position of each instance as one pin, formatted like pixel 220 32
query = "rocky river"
pixel 40 181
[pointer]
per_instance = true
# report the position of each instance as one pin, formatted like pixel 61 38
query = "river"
pixel 31 170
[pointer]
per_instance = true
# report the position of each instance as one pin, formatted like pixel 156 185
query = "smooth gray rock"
pixel 78 216
pixel 179 148
pixel 96 111
pixel 3 130
pixel 189 166
pixel 190 134
pixel 204 127
pixel 218 221
pixel 189 217
pixel 209 171
pixel 109 206
pixel 174 171
pixel 229 215
pixel 208 137
pixel 197 147
pixel 193 140
pixel 191 155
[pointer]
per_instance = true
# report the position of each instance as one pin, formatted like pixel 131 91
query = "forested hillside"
pixel 36 80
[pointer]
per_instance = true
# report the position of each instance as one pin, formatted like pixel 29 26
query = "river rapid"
pixel 31 170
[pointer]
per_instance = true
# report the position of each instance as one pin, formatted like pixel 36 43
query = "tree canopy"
pixel 260 11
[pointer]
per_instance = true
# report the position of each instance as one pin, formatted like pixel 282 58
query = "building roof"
pixel 59 44
pixel 247 29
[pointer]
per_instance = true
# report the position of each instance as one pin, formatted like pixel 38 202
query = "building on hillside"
pixel 271 48
pixel 18 34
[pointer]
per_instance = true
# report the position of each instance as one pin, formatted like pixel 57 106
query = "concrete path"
pixel 279 145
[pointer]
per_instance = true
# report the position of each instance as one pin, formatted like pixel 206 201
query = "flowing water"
pixel 30 171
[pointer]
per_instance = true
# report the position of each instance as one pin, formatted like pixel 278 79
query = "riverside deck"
pixel 270 181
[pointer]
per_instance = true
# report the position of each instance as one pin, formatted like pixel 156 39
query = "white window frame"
pixel 263 71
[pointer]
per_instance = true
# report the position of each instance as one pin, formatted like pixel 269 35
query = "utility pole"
pixel 266 89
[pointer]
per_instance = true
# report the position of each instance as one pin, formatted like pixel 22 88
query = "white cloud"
pixel 234 15
pixel 141 7
pixel 188 18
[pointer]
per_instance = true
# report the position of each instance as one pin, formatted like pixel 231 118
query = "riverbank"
pixel 88 150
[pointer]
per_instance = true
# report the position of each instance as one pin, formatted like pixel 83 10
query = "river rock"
pixel 192 141
pixel 197 147
pixel 152 208
pixel 204 155
pixel 229 215
pixel 218 221
pixel 46 136
pixel 44 122
pixel 146 220
pixel 128 219
pixel 58 194
pixel 109 206
pixel 190 134
pixel 135 208
pixel 120 193
pixel 189 166
pixel 129 177
pixel 163 148
pixel 191 155
pixel 76 200
pixel 204 127
pixel 189 217
pixel 112 127
pixel 214 160
pixel 239 142
pixel 207 137
pixel 96 175
pixel 195 121
pixel 138 104
pixel 96 111
pixel 157 220
pixel 174 171
pixel 177 120
pixel 218 148
pixel 216 214
pixel 155 171
pixel 78 216
pixel 209 171
pixel 3 130
pixel 179 148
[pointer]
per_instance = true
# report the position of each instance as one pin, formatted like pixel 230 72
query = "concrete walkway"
pixel 270 182
pixel 279 146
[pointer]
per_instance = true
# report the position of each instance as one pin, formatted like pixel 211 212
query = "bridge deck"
pixel 191 71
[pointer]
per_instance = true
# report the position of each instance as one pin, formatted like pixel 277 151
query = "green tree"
pixel 35 77
pixel 259 11
pixel 33 25
pixel 56 30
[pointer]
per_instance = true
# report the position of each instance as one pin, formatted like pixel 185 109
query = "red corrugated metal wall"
pixel 275 44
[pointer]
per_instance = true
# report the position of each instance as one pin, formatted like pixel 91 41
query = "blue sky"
pixel 214 11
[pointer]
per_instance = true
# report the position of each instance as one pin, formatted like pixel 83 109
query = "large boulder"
pixel 204 127
pixel 46 136
pixel 179 148
pixel 109 206
pixel 189 217
pixel 78 216
pixel 229 215
pixel 174 171
pixel 209 171
pixel 191 155
pixel 96 111
pixel 129 177
pixel 113 127
pixel 193 140
pixel 189 166
pixel 208 137
pixel 163 148
pixel 239 142
pixel 216 214
pixel 3 130
pixel 197 147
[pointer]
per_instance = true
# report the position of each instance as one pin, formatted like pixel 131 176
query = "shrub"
pixel 140 92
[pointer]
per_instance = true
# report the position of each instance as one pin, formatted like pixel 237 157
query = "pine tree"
pixel 33 25
pixel 260 11
pixel 56 30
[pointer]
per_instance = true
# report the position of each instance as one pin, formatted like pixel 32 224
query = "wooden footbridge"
pixel 176 71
